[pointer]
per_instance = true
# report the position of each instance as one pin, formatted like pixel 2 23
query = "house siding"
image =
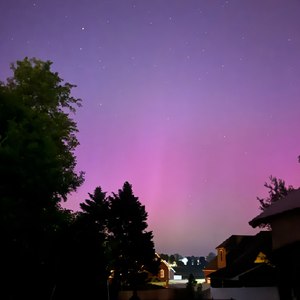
pixel 283 229
pixel 221 258
pixel 166 272
pixel 261 293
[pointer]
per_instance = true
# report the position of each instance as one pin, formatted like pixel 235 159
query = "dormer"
pixel 223 249
pixel 221 258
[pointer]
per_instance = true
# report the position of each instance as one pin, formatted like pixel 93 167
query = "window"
pixel 162 273
pixel 221 255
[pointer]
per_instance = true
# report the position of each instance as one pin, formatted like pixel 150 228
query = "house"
pixel 211 267
pixel 184 260
pixel 284 217
pixel 232 245
pixel 242 268
pixel 246 262
pixel 166 272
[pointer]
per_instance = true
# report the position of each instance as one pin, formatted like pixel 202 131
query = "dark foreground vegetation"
pixel 49 252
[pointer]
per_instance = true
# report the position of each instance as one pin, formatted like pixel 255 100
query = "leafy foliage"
pixel 37 140
pixel 164 257
pixel 210 256
pixel 277 191
pixel 49 250
pixel 172 259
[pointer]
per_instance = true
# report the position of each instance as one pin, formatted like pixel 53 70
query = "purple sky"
pixel 195 103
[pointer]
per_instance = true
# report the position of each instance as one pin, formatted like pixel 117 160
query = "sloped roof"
pixel 167 264
pixel 212 265
pixel 232 242
pixel 234 245
pixel 243 260
pixel 290 202
pixel 164 262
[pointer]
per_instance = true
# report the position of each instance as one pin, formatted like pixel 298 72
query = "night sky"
pixel 195 103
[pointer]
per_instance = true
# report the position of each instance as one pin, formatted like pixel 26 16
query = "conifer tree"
pixel 132 246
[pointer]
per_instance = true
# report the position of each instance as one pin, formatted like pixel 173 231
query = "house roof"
pixel 164 262
pixel 288 203
pixel 212 265
pixel 232 242
pixel 242 260
pixel 170 268
pixel 234 245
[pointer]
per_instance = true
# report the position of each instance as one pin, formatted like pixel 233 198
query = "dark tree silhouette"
pixel 108 235
pixel 277 191
pixel 132 246
pixel 37 141
pixel 190 287
pixel 164 257
pixel 171 258
pixel 202 259
pixel 96 208
pixel 85 252
pixel 210 256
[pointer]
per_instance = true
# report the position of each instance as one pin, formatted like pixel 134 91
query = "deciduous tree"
pixel 277 191
pixel 210 256
pixel 164 257
pixel 37 143
pixel 172 259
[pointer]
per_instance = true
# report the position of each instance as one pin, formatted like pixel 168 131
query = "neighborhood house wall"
pixel 283 229
pixel 257 293
pixel 221 258
pixel 163 272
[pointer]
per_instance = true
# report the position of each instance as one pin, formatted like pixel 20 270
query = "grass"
pixel 161 283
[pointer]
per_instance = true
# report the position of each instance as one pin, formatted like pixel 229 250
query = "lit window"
pixel 162 273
